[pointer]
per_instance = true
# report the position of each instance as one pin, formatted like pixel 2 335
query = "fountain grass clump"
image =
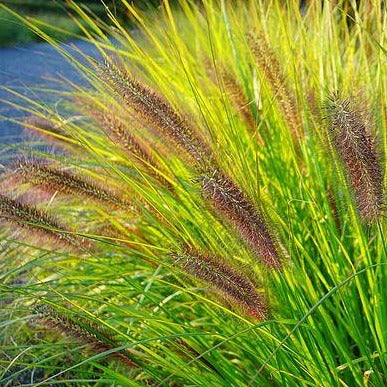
pixel 210 210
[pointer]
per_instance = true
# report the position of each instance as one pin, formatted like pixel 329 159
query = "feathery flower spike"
pixel 54 179
pixel 29 217
pixel 355 146
pixel 44 124
pixel 114 127
pixel 230 201
pixel 271 69
pixel 85 332
pixel 50 132
pixel 224 279
pixel 157 111
pixel 236 95
pixel 119 134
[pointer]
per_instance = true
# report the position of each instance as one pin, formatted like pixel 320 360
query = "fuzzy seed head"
pixel 153 109
pixel 54 179
pixel 83 331
pixel 236 95
pixel 230 201
pixel 355 147
pixel 119 133
pixel 50 132
pixel 29 217
pixel 43 123
pixel 270 67
pixel 225 279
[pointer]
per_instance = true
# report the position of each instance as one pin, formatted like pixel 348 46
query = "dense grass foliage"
pixel 210 211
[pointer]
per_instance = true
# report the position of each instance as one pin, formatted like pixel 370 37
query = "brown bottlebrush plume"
pixel 53 179
pixel 155 110
pixel 230 201
pixel 240 102
pixel 236 95
pixel 31 218
pixel 355 146
pixel 50 132
pixel 114 127
pixel 271 69
pixel 224 279
pixel 36 122
pixel 85 332
pixel 119 134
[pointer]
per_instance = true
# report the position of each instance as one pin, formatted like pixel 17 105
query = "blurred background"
pixel 13 32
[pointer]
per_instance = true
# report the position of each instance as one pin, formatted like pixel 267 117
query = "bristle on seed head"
pixel 83 331
pixel 231 202
pixel 225 279
pixel 270 67
pixel 54 179
pixel 30 218
pixel 155 110
pixel 355 146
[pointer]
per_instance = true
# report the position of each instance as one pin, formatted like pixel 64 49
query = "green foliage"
pixel 12 30
pixel 235 251
pixel 55 18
